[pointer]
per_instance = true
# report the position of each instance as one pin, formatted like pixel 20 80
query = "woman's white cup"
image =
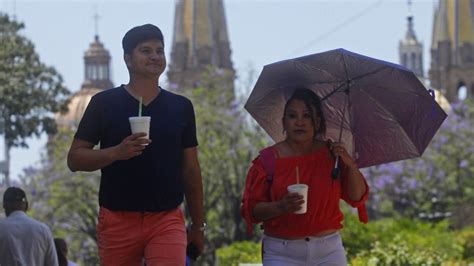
pixel 301 189
pixel 140 124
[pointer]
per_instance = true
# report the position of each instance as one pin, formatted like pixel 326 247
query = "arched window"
pixel 413 61
pixel 404 60
pixel 462 91
pixel 94 72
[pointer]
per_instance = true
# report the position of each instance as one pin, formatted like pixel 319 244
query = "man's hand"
pixel 196 237
pixel 131 146
pixel 194 197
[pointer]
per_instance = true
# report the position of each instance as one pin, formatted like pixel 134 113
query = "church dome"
pixel 77 106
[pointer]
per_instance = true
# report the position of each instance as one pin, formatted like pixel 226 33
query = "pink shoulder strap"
pixel 267 157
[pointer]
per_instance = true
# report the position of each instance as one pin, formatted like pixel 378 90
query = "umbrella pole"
pixel 336 171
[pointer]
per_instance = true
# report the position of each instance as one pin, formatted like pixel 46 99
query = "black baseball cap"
pixel 14 194
pixel 140 34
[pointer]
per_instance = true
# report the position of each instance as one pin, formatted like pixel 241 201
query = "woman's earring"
pixel 283 131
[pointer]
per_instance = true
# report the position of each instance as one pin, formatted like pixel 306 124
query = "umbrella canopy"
pixel 384 111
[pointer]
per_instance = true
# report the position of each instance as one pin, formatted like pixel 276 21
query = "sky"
pixel 260 32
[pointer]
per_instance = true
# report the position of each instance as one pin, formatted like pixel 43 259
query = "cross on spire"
pixel 410 8
pixel 96 18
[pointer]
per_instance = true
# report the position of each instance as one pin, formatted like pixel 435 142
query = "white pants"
pixel 325 250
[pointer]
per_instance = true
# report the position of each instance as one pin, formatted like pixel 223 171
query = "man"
pixel 23 240
pixel 143 181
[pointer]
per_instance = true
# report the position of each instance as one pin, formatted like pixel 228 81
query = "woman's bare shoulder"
pixel 280 148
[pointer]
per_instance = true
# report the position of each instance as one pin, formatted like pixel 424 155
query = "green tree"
pixel 395 241
pixel 66 201
pixel 437 185
pixel 228 142
pixel 240 252
pixel 30 91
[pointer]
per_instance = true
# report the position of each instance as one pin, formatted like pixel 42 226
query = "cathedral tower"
pixel 411 50
pixel 200 42
pixel 452 48
pixel 97 66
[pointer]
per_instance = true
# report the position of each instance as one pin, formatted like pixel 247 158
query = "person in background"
pixel 62 251
pixel 143 180
pixel 304 157
pixel 23 240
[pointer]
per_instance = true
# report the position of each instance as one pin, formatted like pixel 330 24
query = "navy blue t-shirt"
pixel 152 181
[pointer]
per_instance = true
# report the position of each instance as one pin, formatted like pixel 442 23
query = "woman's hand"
pixel 291 202
pixel 264 211
pixel 337 149
pixel 354 184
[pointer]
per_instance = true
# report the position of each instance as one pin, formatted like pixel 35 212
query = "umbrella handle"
pixel 336 171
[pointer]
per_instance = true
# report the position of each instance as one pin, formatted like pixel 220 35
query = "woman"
pixel 303 157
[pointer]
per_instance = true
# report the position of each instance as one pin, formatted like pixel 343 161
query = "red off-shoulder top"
pixel 324 193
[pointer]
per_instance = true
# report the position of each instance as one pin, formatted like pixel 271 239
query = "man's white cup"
pixel 301 189
pixel 140 124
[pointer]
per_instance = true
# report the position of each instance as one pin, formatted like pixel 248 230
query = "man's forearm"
pixel 85 159
pixel 194 196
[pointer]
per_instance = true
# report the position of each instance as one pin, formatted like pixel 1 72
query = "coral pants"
pixel 129 238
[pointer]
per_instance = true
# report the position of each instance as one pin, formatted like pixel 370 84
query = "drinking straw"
pixel 297 175
pixel 140 106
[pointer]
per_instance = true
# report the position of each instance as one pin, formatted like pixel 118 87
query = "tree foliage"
pixel 438 185
pixel 66 201
pixel 240 252
pixel 412 236
pixel 382 242
pixel 30 91
pixel 228 142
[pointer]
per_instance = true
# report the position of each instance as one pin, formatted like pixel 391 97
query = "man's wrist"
pixel 199 226
pixel 113 153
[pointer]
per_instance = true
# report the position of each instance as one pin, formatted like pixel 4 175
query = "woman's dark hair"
pixel 313 103
pixel 61 250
